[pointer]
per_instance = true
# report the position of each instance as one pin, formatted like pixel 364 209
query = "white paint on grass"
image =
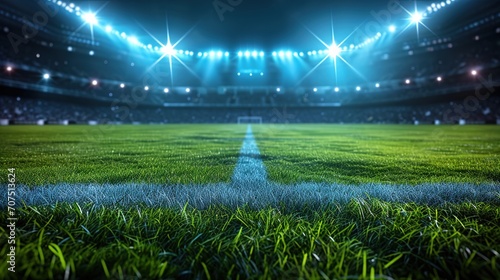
pixel 250 170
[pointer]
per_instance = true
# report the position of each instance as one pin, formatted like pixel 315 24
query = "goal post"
pixel 249 120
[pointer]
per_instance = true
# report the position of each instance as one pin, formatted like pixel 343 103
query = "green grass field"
pixel 361 238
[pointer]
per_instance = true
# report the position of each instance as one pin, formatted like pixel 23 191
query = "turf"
pixel 118 154
pixel 358 239
pixel 124 216
pixel 394 154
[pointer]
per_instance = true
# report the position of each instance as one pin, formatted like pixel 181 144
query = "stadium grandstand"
pixel 78 68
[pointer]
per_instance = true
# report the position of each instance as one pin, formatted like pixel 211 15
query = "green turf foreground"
pixel 358 240
pixel 394 154
pixel 117 154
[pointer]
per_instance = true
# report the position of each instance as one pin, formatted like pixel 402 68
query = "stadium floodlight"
pixel 301 54
pixel 473 72
pixel 309 53
pixel 108 28
pixel 439 79
pixel 133 40
pixel 251 74
pixel 188 90
pixel 247 53
pixel 337 89
pixel 377 85
pixel 226 54
pixel 168 49
pixel 281 54
pixel 211 53
pixel 407 81
pixel 262 73
pixel 239 74
pixel 191 53
pixel 200 54
pixel 261 54
pixel 358 88
pixel 314 53
pixel 254 54
pixel 91 53
pixel 278 89
pixel 334 50
pixel 315 89
pixel 416 17
pixel 288 54
pixel 122 85
pixel 95 83
pixel 146 88
pixel 275 53
pixel 240 53
pixel 9 68
pixel 219 54
pixel 165 90
pixel 90 18
pixel 46 76
pixel 392 28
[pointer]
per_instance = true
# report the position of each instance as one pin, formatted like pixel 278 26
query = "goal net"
pixel 249 120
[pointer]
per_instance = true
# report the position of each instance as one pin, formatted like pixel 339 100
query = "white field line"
pixel 250 170
pixel 250 187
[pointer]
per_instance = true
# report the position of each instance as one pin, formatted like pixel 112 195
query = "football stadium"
pixel 244 139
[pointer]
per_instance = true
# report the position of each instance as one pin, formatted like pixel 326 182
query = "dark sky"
pixel 253 23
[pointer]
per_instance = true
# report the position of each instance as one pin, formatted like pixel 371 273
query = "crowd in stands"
pixel 25 110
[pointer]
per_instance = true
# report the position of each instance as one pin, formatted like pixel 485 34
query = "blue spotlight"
pixel 315 89
pixel 377 85
pixel 133 40
pixel 296 54
pixel 262 73
pixel 301 54
pixel 211 53
pixel 358 88
pixel 275 53
pixel 240 54
pixel 219 54
pixel 108 28
pixel 278 89
pixel 46 76
pixel 90 18
pixel 334 50
pixel 392 28
pixel 200 54
pixel 281 53
pixel 226 54
pixel 239 74
pixel 254 54
pixel 288 54
pixel 314 52
pixel 337 89
pixel 309 53
pixel 416 17
pixel 188 90
pixel 247 54
pixel 261 54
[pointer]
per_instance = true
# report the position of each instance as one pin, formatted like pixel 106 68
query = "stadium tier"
pixel 72 58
